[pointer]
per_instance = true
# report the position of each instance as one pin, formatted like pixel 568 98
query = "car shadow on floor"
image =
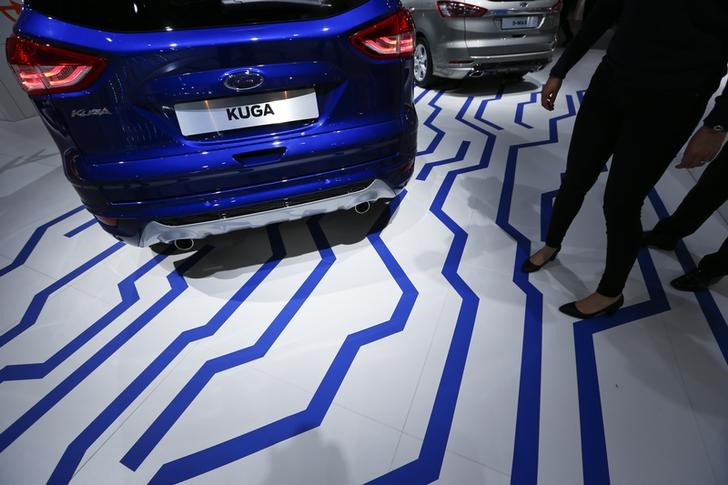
pixel 486 86
pixel 253 247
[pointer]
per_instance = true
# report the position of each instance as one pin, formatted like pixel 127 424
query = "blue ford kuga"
pixel 179 119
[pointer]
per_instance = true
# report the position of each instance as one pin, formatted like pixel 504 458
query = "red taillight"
pixel 107 221
pixel 389 38
pixel 557 7
pixel 459 9
pixel 44 69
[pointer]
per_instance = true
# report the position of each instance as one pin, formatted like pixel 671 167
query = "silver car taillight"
pixel 460 9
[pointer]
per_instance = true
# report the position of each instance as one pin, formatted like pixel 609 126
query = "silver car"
pixel 457 40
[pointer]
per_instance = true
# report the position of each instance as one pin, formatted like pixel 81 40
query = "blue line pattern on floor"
pixel 479 114
pixel 422 94
pixel 75 451
pixel 177 286
pixel 594 448
pixel 164 422
pixel 80 229
pixel 429 122
pixel 312 417
pixel 459 157
pixel 30 317
pixel 426 468
pixel 34 239
pixel 715 319
pixel 129 296
pixel 525 454
pixel 520 108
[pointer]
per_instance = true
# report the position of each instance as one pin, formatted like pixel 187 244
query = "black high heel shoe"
pixel 529 267
pixel 571 310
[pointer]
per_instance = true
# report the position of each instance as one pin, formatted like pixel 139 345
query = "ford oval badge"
pixel 241 81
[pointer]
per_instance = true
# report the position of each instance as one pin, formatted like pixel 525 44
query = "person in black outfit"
pixel 566 9
pixel 644 101
pixel 706 197
pixel 588 5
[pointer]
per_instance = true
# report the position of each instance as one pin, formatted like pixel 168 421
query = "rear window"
pixel 158 15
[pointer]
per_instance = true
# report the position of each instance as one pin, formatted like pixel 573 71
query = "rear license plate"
pixel 224 114
pixel 522 22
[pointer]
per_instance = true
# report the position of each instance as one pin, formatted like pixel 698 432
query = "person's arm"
pixel 705 144
pixel 603 16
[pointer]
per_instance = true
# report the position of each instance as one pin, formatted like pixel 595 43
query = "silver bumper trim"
pixel 481 64
pixel 155 232
pixel 514 57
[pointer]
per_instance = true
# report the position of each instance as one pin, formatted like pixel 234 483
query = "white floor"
pixel 410 356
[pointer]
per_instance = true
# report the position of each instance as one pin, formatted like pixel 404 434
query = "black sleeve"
pixel 719 115
pixel 604 15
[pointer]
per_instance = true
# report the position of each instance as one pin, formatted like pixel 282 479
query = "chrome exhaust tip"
pixel 362 208
pixel 184 244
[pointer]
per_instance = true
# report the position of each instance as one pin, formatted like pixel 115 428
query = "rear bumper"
pixel 155 232
pixel 344 182
pixel 498 64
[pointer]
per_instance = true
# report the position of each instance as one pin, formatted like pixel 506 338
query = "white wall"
pixel 14 104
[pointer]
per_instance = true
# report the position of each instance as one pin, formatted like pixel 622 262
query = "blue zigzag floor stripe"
pixel 594 453
pixel 421 95
pixel 484 104
pixel 459 157
pixel 80 229
pixel 525 454
pixel 34 239
pixel 129 296
pixel 310 418
pixel 76 449
pixel 489 137
pixel 429 122
pixel 594 448
pixel 30 317
pixel 146 443
pixel 713 315
pixel 520 108
pixel 177 286
pixel 426 468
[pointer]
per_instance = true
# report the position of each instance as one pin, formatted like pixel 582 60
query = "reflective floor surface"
pixel 400 346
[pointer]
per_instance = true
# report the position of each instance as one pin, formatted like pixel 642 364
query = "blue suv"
pixel 179 119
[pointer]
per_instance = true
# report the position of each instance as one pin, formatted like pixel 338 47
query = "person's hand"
pixel 550 91
pixel 702 148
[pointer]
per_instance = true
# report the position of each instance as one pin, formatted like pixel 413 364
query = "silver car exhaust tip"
pixel 362 208
pixel 184 244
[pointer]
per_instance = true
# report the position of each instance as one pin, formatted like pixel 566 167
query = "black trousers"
pixel 588 5
pixel 704 198
pixel 642 127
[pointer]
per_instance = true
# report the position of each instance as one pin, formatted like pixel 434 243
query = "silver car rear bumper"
pixel 530 61
pixel 155 232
